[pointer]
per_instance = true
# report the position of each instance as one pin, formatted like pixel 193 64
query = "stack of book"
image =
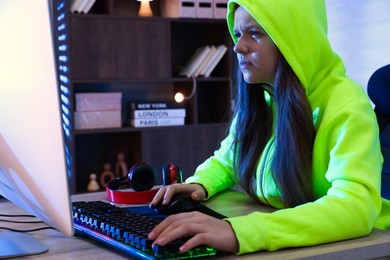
pixel 152 114
pixel 203 61
pixel 81 6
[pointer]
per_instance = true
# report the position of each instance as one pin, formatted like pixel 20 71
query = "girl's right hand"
pixel 198 193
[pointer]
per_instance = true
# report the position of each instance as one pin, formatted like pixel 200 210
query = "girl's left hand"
pixel 203 230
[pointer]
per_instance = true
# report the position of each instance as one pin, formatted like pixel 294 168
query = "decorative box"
pixel 220 9
pixel 98 101
pixel 97 119
pixel 178 8
pixel 204 8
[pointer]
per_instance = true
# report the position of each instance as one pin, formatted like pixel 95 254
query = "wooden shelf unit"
pixel 111 49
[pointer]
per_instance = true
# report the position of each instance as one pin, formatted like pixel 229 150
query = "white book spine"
pixel 198 62
pixel 221 50
pixel 81 6
pixel 211 58
pixel 88 6
pixel 210 54
pixel 195 61
pixel 190 62
pixel 157 122
pixel 158 113
pixel 74 5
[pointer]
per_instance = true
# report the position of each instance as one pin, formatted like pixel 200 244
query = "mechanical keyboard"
pixel 126 230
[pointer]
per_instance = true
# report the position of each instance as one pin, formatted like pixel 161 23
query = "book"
pixel 157 113
pixel 75 5
pixel 208 69
pixel 88 6
pixel 195 61
pixel 155 105
pixel 157 122
pixel 187 67
pixel 82 5
pixel 213 49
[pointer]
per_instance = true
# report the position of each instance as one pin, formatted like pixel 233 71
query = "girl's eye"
pixel 255 33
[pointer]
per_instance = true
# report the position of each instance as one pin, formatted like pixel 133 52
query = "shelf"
pixel 119 9
pixel 185 146
pixel 149 80
pixel 127 129
pixel 153 18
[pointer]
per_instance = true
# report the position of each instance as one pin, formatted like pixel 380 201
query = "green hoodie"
pixel 347 161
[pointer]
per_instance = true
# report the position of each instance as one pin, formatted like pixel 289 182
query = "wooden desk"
pixel 231 203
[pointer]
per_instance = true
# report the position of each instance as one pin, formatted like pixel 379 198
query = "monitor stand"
pixel 14 244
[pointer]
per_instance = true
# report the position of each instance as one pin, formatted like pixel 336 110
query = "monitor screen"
pixel 33 124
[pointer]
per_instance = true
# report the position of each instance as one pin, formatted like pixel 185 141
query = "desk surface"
pixel 231 203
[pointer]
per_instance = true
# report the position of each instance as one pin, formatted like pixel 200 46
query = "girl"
pixel 303 139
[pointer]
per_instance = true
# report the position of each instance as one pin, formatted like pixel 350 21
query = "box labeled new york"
pixel 97 119
pixel 220 9
pixel 204 8
pixel 178 8
pixel 98 101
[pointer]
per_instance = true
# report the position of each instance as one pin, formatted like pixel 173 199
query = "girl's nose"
pixel 240 47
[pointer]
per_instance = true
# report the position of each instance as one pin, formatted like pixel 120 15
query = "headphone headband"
pixel 130 197
pixel 141 178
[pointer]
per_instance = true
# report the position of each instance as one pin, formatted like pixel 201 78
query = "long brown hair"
pixel 294 135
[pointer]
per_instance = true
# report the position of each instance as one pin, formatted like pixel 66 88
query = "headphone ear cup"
pixel 171 174
pixel 142 177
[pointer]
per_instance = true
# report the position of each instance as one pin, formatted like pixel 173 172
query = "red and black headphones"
pixel 141 178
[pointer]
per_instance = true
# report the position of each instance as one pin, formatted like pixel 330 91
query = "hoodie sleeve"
pixel 216 173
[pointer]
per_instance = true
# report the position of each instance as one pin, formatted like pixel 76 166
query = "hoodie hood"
pixel 299 29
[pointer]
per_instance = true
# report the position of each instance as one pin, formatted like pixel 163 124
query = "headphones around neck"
pixel 141 178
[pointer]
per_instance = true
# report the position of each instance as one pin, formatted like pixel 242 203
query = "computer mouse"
pixel 180 202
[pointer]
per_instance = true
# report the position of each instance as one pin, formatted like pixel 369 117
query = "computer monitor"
pixel 34 159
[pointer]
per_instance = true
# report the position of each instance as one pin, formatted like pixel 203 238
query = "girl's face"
pixel 256 53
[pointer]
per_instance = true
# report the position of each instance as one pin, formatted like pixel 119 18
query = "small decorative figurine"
pixel 93 185
pixel 106 175
pixel 120 167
